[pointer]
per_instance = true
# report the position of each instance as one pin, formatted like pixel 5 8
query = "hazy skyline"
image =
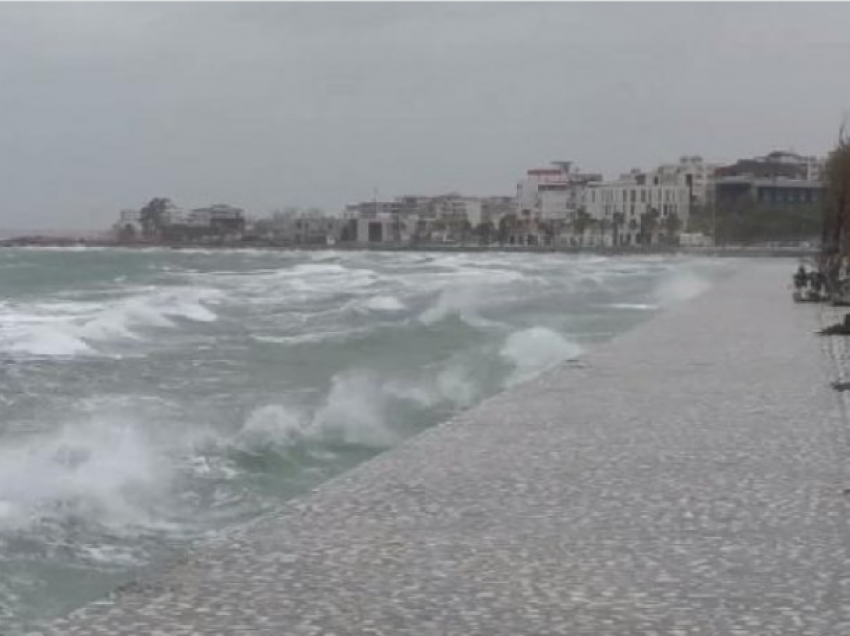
pixel 267 105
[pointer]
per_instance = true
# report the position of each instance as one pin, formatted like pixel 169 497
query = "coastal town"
pixel 689 203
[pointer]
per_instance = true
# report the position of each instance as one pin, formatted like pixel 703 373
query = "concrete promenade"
pixel 686 479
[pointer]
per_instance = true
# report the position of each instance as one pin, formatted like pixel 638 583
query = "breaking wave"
pixel 384 303
pixel 64 329
pixel 535 350
pixel 464 303
pixel 104 471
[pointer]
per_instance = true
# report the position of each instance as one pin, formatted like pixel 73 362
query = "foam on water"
pixel 41 340
pixel 462 302
pixel 532 351
pixel 65 329
pixel 103 471
pixel 384 303
pixel 353 412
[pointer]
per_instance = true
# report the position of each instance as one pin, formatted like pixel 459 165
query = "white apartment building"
pixel 306 227
pixel 173 215
pixel 456 209
pixel 495 208
pixel 424 218
pixel 553 194
pixel 219 213
pixel 619 207
pixel 386 229
pixel 695 173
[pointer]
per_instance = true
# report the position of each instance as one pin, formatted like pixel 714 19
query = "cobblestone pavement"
pixel 688 478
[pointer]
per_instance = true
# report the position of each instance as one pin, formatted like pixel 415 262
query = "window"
pixel 643 196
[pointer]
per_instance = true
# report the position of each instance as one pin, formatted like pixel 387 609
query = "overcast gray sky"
pixel 266 105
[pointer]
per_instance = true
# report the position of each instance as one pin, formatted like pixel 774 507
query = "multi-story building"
pixel 553 194
pixel 220 218
pixel 448 217
pixel 129 226
pixel 737 192
pixel 779 164
pixel 697 175
pixel 640 208
pixel 386 229
pixel 305 227
pixel 779 179
pixel 454 209
pixel 495 208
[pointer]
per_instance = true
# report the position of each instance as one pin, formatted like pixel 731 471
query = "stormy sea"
pixel 149 398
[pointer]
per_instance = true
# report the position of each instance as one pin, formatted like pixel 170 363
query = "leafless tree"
pixel 835 239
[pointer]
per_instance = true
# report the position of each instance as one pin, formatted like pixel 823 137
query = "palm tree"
pixel 602 226
pixel 619 220
pixel 152 217
pixel 465 230
pixel 648 224
pixel 580 224
pixel 506 224
pixel 548 230
pixel 672 226
pixel 485 232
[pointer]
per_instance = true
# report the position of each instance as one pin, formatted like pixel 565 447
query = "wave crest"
pixel 535 350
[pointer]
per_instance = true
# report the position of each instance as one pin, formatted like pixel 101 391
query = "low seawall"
pixel 687 478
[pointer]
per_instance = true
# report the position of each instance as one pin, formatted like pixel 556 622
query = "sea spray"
pixel 680 286
pixel 532 351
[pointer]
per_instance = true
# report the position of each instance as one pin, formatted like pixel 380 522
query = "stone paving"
pixel 688 478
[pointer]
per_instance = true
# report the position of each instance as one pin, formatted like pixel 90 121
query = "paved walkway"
pixel 687 479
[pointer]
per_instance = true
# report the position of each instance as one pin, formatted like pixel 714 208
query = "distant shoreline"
pixel 728 251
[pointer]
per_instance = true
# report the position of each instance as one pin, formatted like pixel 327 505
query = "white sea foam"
pixel 274 425
pixel 384 303
pixel 532 351
pixel 464 302
pixel 63 328
pixel 453 384
pixel 680 286
pixel 353 412
pixel 101 470
pixel 41 340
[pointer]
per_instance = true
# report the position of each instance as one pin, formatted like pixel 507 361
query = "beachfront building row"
pixel 561 205
pixel 448 218
pixel 556 205
pixel 162 220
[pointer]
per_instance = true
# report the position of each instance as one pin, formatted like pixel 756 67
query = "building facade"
pixel 779 179
pixel 640 208
pixel 553 194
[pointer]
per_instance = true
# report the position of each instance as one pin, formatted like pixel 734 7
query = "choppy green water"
pixel 150 397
